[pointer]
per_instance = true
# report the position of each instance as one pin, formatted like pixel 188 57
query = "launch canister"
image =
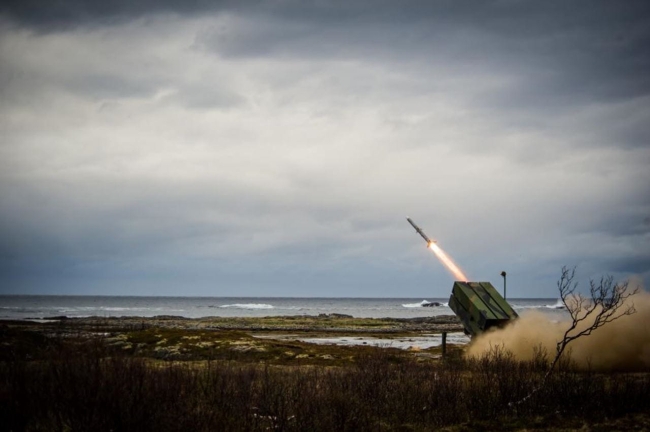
pixel 419 231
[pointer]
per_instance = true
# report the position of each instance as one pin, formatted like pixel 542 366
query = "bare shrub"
pixel 606 303
pixel 91 391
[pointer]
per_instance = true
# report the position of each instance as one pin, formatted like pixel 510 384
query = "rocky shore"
pixel 280 340
pixel 326 323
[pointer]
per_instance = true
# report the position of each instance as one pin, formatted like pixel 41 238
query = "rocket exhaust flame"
pixel 442 256
pixel 448 262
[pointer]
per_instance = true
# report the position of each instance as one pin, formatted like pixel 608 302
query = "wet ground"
pixel 423 341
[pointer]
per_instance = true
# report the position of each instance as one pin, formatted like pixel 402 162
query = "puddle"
pixel 422 342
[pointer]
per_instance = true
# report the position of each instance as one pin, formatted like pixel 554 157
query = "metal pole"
pixel 504 284
pixel 444 344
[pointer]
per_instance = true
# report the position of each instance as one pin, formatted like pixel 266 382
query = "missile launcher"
pixel 480 307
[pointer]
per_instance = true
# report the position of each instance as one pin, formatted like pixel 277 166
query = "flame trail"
pixel 448 262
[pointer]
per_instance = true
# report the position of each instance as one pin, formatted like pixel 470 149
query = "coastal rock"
pixel 334 315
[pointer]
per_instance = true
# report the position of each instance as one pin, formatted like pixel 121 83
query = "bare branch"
pixel 607 303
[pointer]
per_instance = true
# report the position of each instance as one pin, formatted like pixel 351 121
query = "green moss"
pixel 232 338
pixel 181 344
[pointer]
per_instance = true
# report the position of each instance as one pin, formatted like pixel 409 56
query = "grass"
pixel 175 344
pixel 228 380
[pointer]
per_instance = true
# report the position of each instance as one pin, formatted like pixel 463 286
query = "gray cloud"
pixel 71 13
pixel 279 146
pixel 632 265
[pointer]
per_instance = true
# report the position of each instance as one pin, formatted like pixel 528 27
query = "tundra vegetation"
pixel 170 374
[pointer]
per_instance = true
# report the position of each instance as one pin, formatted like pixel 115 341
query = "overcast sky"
pixel 275 148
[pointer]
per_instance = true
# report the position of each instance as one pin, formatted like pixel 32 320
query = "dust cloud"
pixel 622 345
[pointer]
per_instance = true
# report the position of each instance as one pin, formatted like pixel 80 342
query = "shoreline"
pixel 289 340
pixel 328 323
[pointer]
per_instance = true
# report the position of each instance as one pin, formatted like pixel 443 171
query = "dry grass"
pixel 84 383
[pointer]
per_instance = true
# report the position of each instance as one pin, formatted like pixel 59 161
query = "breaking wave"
pixel 423 303
pixel 248 306
pixel 558 305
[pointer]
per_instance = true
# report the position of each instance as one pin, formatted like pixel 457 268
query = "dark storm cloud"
pixel 554 55
pixel 223 140
pixel 635 265
pixel 627 222
pixel 561 52
pixel 61 14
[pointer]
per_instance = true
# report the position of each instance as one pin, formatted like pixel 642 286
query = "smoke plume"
pixel 623 344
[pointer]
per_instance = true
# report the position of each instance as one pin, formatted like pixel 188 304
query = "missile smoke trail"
pixel 442 256
pixel 448 262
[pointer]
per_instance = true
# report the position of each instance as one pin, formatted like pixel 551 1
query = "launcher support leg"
pixel 444 344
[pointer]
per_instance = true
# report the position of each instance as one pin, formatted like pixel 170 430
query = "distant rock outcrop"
pixel 334 315
pixel 431 304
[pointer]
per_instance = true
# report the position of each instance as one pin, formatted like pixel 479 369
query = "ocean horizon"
pixel 26 306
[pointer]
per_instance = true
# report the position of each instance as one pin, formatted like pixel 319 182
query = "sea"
pixel 35 307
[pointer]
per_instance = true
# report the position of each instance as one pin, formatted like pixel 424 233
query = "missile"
pixel 419 231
